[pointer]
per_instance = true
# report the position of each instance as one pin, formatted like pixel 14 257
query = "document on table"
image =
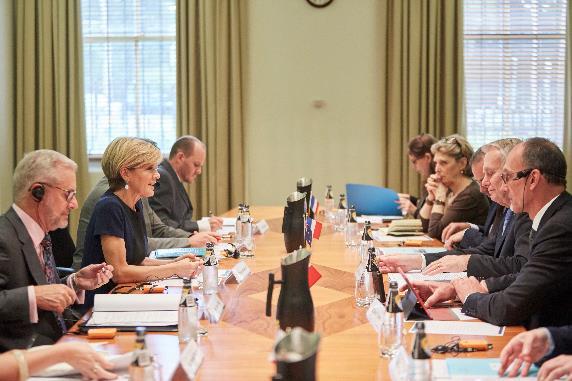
pixel 410 250
pixel 473 368
pixel 376 219
pixel 419 276
pixel 460 315
pixel 380 236
pixel 228 225
pixel 127 310
pixel 460 328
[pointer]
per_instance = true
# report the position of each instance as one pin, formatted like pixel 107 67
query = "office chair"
pixel 63 248
pixel 373 200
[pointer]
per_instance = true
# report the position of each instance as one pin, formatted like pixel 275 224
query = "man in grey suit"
pixel 32 297
pixel 171 201
pixel 159 235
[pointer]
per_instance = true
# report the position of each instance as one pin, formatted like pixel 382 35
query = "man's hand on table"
pixel 448 264
pixel 523 350
pixel 433 292
pixel 407 262
pixel 467 286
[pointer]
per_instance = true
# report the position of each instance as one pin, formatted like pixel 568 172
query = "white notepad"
pixel 125 310
pixel 460 328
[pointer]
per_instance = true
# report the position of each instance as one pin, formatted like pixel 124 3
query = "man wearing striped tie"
pixel 32 296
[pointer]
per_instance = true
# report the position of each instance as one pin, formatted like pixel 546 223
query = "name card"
pixel 191 359
pixel 215 306
pixel 261 227
pixel 239 273
pixel 375 315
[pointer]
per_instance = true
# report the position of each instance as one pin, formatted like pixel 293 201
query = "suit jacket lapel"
pixel 500 242
pixel 28 250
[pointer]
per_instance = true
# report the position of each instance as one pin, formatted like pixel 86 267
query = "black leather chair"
pixel 63 248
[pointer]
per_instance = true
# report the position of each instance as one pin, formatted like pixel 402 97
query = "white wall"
pixel 299 55
pixel 6 102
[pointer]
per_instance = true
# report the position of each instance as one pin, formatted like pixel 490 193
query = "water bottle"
pixel 390 337
pixel 238 226
pixel 329 204
pixel 247 247
pixel 421 365
pixel 341 214
pixel 141 367
pixel 210 271
pixel 366 240
pixel 364 287
pixel 351 232
pixel 188 319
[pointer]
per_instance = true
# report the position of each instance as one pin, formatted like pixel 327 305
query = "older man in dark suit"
pixel 171 201
pixel 535 175
pixel 32 297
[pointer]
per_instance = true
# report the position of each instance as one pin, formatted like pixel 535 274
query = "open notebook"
pixel 157 312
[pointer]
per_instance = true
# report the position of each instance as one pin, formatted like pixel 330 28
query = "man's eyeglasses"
pixel 70 193
pixel 507 177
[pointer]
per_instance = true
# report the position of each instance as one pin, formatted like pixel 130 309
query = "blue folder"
pixel 373 200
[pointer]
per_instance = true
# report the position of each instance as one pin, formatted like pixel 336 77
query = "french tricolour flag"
pixel 314 205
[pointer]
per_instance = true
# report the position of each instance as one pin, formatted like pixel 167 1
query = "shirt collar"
pixel 540 214
pixel 34 229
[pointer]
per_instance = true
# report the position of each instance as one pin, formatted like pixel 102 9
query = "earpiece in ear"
pixel 38 192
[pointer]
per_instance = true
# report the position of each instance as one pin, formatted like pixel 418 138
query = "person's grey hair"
pixel 544 155
pixel 40 166
pixel 478 156
pixel 185 144
pixel 504 146
pixel 457 147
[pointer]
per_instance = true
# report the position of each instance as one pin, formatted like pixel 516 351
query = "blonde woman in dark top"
pixel 452 195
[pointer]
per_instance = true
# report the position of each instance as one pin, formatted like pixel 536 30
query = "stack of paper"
pixel 405 227
pixel 381 236
pixel 223 275
pixel 131 310
pixel 438 327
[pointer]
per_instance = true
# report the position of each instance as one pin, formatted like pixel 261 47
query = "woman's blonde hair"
pixel 127 152
pixel 456 147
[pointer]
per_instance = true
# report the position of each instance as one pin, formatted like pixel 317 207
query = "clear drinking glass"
pixel 390 337
pixel 340 220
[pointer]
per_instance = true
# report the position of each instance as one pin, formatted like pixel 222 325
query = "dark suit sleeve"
pixel 163 203
pixel 472 238
pixel 547 270
pixel 562 338
pixel 432 257
pixel 484 267
pixel 14 304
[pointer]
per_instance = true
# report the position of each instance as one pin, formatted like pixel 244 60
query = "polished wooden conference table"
pixel 238 347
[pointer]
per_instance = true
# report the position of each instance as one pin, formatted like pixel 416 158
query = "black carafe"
pixel 295 307
pixel 295 355
pixel 304 185
pixel 293 222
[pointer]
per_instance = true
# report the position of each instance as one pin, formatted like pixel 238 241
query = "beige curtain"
pixel 422 43
pixel 210 54
pixel 49 91
pixel 568 99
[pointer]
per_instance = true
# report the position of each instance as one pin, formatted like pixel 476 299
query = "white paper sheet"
pixel 136 302
pixel 419 276
pixel 382 237
pixel 460 328
pixel 134 318
pixel 410 250
pixel 376 219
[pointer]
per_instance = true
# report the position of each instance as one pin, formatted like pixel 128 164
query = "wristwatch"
pixel 440 202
